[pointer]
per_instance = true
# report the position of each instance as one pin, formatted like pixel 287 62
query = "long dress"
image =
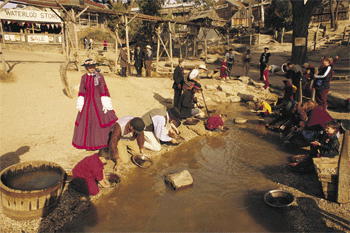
pixel 92 125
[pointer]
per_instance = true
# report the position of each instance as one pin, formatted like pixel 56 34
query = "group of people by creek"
pixel 98 128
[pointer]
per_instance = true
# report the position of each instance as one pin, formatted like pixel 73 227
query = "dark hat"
pixel 89 62
pixel 230 50
pixel 138 125
pixel 266 48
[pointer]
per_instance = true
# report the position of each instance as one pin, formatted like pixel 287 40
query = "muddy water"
pixel 227 194
pixel 33 180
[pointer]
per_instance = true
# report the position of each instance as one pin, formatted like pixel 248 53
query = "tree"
pixel 301 19
pixel 279 15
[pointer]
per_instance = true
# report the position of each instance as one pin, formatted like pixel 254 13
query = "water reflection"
pixel 227 195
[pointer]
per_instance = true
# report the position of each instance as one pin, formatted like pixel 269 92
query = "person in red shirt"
pixel 89 170
pixel 216 122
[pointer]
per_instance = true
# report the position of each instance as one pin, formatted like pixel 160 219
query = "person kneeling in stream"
pixel 161 126
pixel 187 101
pixel 216 122
pixel 89 170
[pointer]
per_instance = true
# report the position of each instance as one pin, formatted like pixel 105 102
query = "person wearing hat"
pixel 148 61
pixel 123 60
pixel 295 73
pixel 187 102
pixel 230 56
pixel 264 60
pixel 96 115
pixel 126 135
pixel 138 58
pixel 194 75
pixel 246 59
pixel 160 123
pixel 178 81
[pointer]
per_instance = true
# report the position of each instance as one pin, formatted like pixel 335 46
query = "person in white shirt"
pixel 160 123
pixel 194 75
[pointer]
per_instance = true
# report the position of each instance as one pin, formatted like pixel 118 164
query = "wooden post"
pixel 250 21
pixel 194 45
pixel 316 36
pixel 116 49
pixel 2 55
pixel 300 91
pixel 171 47
pixel 158 47
pixel 76 41
pixel 344 171
pixel 282 35
pixel 127 42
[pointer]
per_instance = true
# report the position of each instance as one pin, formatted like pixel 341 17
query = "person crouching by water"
pixel 96 115
pixel 216 122
pixel 194 75
pixel 187 102
pixel 127 135
pixel 160 124
pixel 89 170
pixel 178 81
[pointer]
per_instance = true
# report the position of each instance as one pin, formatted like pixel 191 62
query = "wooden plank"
pixel 324 177
pixel 344 171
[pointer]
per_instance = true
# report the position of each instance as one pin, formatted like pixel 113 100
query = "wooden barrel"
pixel 30 204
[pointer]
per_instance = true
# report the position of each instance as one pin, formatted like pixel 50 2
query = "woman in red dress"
pixel 96 114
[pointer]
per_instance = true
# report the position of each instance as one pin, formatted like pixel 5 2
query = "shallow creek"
pixel 227 194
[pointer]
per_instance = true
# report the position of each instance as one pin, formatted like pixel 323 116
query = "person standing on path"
pixel 138 58
pixel 85 42
pixel 104 45
pixel 295 73
pixel 179 78
pixel 264 60
pixel 123 60
pixel 230 56
pixel 322 83
pixel 96 115
pixel 148 61
pixel 246 59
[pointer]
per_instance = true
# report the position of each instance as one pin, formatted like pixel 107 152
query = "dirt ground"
pixel 37 121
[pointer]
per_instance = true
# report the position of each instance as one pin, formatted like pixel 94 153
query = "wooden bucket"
pixel 25 205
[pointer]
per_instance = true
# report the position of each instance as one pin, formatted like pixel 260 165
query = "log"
pixel 344 171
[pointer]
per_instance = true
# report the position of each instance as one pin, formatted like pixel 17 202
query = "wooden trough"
pixel 334 174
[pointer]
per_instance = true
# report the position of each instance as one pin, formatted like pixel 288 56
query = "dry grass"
pixel 7 77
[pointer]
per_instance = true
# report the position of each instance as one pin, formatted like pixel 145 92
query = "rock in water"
pixel 179 180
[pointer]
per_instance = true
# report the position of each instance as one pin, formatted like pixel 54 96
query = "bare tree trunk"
pixel 331 9
pixel 301 19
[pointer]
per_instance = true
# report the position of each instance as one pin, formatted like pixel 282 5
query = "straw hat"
pixel 89 62
pixel 148 47
pixel 202 67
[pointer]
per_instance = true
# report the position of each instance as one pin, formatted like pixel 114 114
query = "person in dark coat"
pixel 328 144
pixel 123 60
pixel 322 83
pixel 178 81
pixel 264 60
pixel 138 58
pixel 295 73
pixel 187 101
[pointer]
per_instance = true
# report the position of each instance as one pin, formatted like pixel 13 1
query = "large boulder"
pixel 246 80
pixel 211 87
pixel 248 97
pixel 228 89
pixel 179 180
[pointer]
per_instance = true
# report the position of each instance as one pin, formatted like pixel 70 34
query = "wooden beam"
pixel 127 42
pixel 4 3
pixel 344 171
pixel 158 47
pixel 82 12
pixel 171 47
